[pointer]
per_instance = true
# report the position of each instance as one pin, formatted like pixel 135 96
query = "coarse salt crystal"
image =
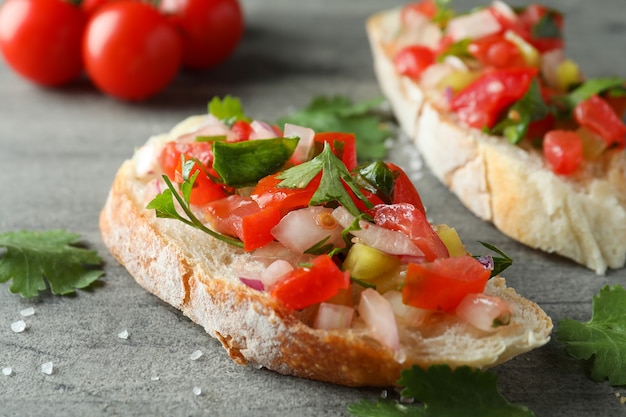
pixel 7 371
pixel 154 378
pixel 197 391
pixel 27 312
pixel 18 326
pixel 196 355
pixel 123 334
pixel 47 368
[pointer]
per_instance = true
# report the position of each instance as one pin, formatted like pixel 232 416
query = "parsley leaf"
pixel 33 257
pixel 500 263
pixel 601 342
pixel 339 114
pixel 547 27
pixel 229 109
pixel 331 187
pixel 444 392
pixel 594 86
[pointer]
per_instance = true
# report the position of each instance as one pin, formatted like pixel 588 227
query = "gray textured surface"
pixel 59 150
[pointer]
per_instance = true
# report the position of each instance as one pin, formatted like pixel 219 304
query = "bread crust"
pixel 197 274
pixel 581 217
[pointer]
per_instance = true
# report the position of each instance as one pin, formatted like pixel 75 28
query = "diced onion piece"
pixel 261 130
pixel 409 315
pixel 550 62
pixel 306 135
pixel 389 241
pixel 473 26
pixel 484 312
pixel 531 55
pixel 301 229
pixel 333 316
pixel 255 284
pixel 378 315
pixel 274 271
pixel 504 10
pixel 146 159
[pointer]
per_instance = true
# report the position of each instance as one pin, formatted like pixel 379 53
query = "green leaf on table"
pixel 32 258
pixel 339 114
pixel 600 342
pixel 442 391
pixel 229 109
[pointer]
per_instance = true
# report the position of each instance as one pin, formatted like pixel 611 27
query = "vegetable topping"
pixel 358 241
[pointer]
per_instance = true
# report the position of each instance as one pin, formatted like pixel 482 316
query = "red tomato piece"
pixel 242 129
pixel 170 157
pixel 413 60
pixel 310 285
pixel 598 116
pixel 496 51
pixel 120 54
pixel 256 227
pixel 480 104
pixel 211 29
pixel 41 39
pixel 267 193
pixel 404 190
pixel 412 222
pixel 563 150
pixel 204 189
pixel 530 17
pixel 342 144
pixel 441 285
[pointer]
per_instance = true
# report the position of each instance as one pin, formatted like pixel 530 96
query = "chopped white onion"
pixel 389 241
pixel 409 315
pixel 377 313
pixel 146 159
pixel 305 144
pixel 301 229
pixel 485 312
pixel 473 25
pixel 504 10
pixel 261 130
pixel 550 62
pixel 333 316
pixel 274 271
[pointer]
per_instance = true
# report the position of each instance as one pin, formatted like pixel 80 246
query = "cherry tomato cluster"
pixel 129 49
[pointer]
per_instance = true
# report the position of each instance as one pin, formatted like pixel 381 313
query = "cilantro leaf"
pixel 500 263
pixel 331 187
pixel 594 86
pixel 547 27
pixel 445 392
pixel 339 114
pixel 601 342
pixel 229 109
pixel 33 257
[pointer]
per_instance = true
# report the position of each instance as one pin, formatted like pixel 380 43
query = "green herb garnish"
pixel 228 110
pixel 612 85
pixel 600 342
pixel 32 258
pixel 331 187
pixel 377 178
pixel 500 263
pixel 441 391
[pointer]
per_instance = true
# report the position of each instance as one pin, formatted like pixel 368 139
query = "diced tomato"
pixel 563 150
pixel 170 160
pixel 242 130
pixel 441 285
pixel 426 8
pixel 267 193
pixel 530 17
pixel 599 117
pixel 404 190
pixel 617 103
pixel 413 60
pixel 310 285
pixel 480 104
pixel 342 144
pixel 204 189
pixel 496 51
pixel 539 128
pixel 242 217
pixel 411 221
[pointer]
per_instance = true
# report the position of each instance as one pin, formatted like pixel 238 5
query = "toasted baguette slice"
pixel 581 217
pixel 198 275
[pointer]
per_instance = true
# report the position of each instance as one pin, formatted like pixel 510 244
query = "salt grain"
pixel 18 326
pixel 196 355
pixel 154 378
pixel 197 391
pixel 27 312
pixel 7 371
pixel 47 368
pixel 123 334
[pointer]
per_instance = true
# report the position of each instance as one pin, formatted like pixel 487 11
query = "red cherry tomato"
pixel 131 50
pixel 563 150
pixel 413 60
pixel 310 285
pixel 597 115
pixel 496 51
pixel 41 39
pixel 211 29
pixel 441 285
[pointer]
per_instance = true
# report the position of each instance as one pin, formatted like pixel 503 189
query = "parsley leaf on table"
pixel 32 257
pixel 339 114
pixel 444 392
pixel 601 342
